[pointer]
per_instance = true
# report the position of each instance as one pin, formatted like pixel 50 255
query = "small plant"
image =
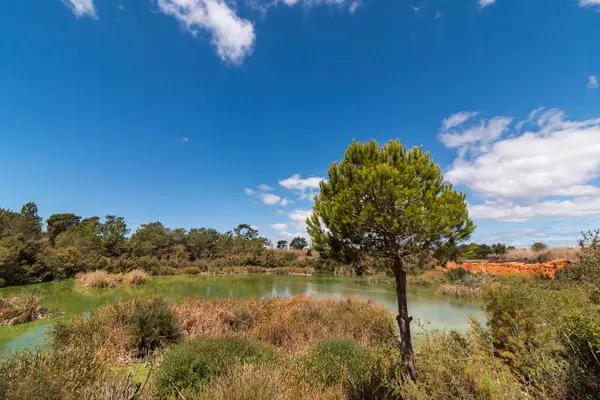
pixel 135 277
pixel 152 324
pixel 239 320
pixel 193 362
pixel 539 246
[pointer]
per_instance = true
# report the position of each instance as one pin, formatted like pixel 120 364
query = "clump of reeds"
pixel 97 279
pixel 135 277
pixel 459 290
pixel 22 308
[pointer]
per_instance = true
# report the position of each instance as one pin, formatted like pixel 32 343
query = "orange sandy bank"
pixel 548 269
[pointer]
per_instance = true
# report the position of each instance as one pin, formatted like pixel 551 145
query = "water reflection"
pixel 425 305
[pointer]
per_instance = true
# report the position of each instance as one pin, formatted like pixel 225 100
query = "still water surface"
pixel 427 308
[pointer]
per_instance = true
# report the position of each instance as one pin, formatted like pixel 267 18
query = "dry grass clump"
pixel 97 279
pixel 22 308
pixel 293 323
pixel 459 290
pixel 555 253
pixel 262 270
pixel 102 279
pixel 135 277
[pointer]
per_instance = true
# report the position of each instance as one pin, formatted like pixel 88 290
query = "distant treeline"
pixel 72 244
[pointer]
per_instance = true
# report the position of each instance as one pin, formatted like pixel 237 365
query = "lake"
pixel 428 308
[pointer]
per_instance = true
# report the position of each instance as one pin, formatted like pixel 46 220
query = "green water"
pixel 427 308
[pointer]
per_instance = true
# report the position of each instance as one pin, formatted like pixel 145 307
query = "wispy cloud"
pixel 589 3
pixel 457 119
pixel 485 3
pixel 301 185
pixel 593 80
pixel 265 187
pixel 82 8
pixel 232 36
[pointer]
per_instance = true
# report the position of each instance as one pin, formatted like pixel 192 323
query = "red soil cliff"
pixel 548 269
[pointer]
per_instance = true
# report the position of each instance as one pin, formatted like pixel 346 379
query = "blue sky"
pixel 177 110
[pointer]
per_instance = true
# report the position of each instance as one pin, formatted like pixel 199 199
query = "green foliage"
pixel 298 243
pixel 246 232
pixel 587 270
pixel 336 360
pixel 282 244
pixel 152 324
pixel 59 223
pixel 581 339
pixel 539 246
pixel 31 222
pixel 152 239
pixel 483 250
pixel 388 201
pixel 202 243
pixel 499 249
pixel 190 363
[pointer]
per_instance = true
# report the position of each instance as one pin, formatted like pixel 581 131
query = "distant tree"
pixel 203 242
pixel 499 249
pixel 298 243
pixel 447 252
pixel 152 239
pixel 539 246
pixel 31 223
pixel 392 203
pixel 113 234
pixel 282 244
pixel 246 232
pixel 10 222
pixel 59 223
pixel 85 237
pixel 483 250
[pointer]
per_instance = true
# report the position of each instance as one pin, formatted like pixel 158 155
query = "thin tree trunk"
pixel 403 319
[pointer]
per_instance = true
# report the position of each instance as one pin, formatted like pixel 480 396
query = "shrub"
pixel 336 360
pixel 152 324
pixel 190 271
pixel 428 278
pixel 289 258
pixel 581 339
pixel 190 363
pixel 456 366
pixel 539 246
pixel 135 277
pixel 97 279
pixel 459 290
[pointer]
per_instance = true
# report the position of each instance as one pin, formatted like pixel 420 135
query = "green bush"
pixel 539 246
pixel 239 320
pixel 581 339
pixel 334 361
pixel 152 324
pixel 190 363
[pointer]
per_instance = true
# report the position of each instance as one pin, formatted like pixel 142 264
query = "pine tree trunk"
pixel 403 319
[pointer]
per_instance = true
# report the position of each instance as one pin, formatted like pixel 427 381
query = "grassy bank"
pixel 303 348
pixel 22 308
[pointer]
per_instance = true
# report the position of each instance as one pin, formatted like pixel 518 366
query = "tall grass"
pixel 22 308
pixel 554 253
pixel 97 279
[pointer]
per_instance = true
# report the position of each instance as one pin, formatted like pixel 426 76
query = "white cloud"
pixel 249 192
pixel 284 202
pixel 589 3
pixel 232 36
pixel 511 212
pixel 593 80
pixel 354 6
pixel 265 187
pixel 270 199
pixel 185 139
pixel 520 176
pixel 279 227
pixel 299 217
pixel 485 3
pixel 82 8
pixel 486 131
pixel 300 185
pixel 457 119
pixel 279 212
